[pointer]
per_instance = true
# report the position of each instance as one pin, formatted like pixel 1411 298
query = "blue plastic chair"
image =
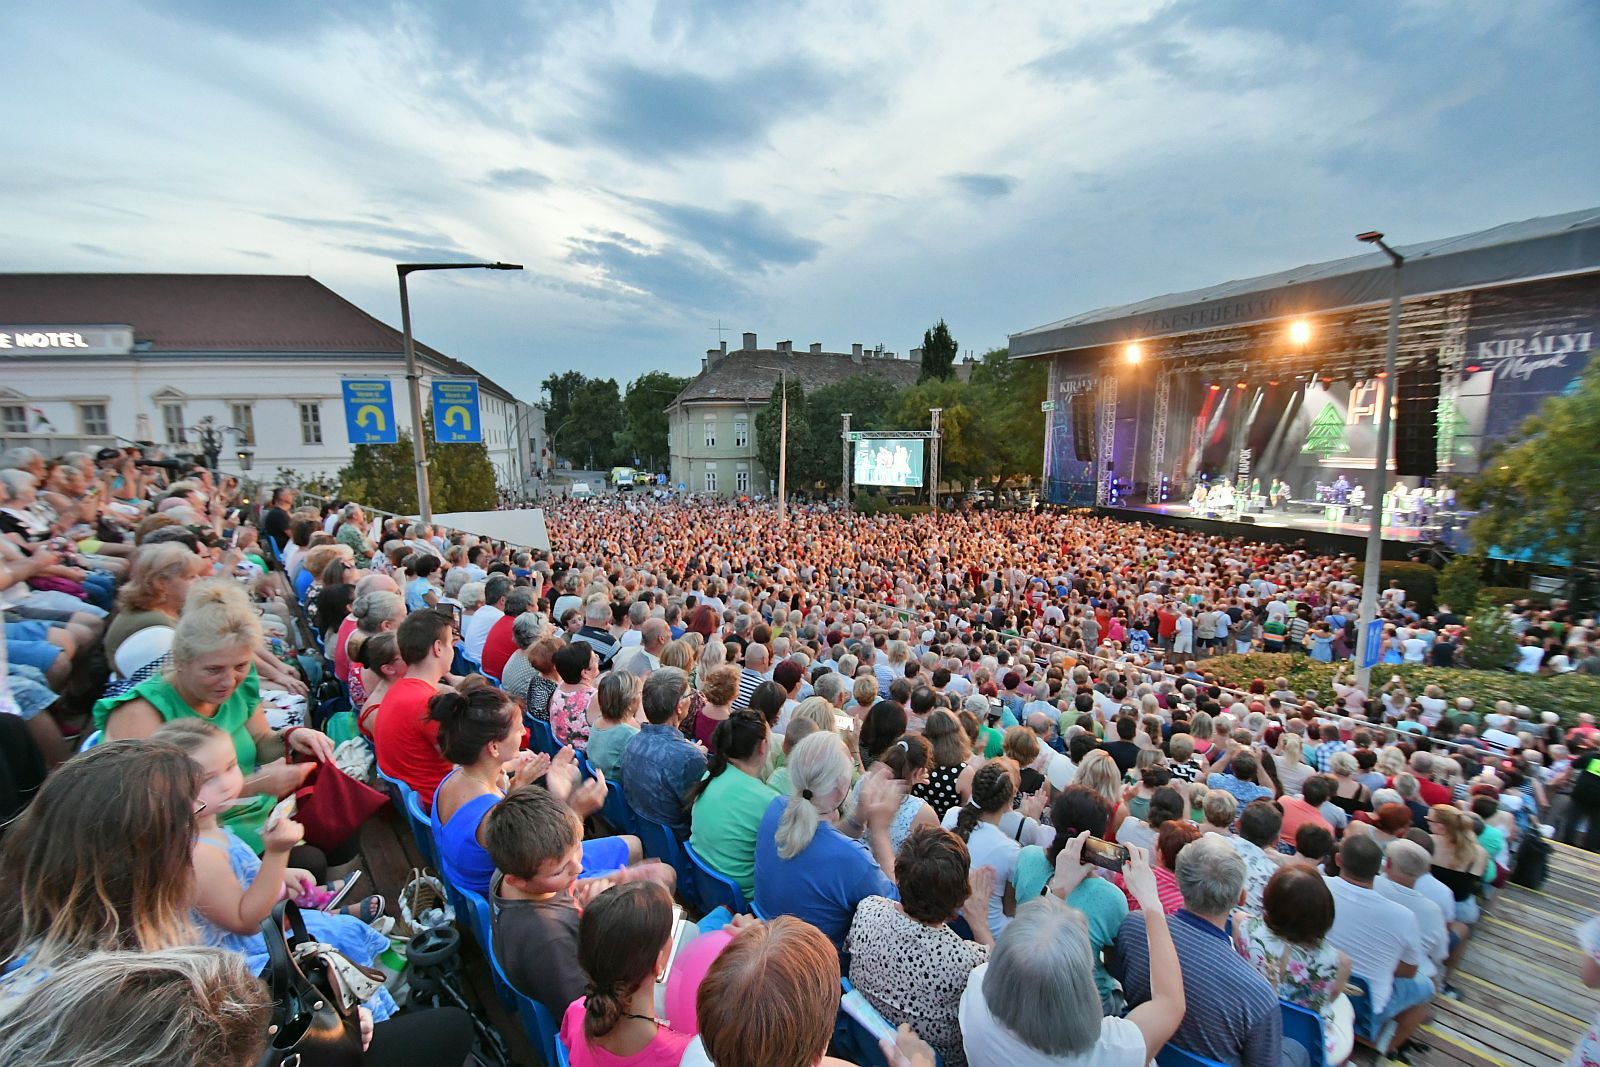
pixel 661 842
pixel 616 812
pixel 541 738
pixel 1173 1056
pixel 1360 993
pixel 712 886
pixel 562 1060
pixel 410 805
pixel 537 1022
pixel 1303 1026
pixel 94 738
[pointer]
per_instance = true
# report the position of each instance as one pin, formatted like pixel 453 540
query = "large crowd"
pixel 979 766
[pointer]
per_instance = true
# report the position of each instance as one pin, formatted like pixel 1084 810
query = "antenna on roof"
pixel 719 329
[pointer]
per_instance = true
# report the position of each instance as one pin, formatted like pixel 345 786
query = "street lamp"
pixel 1380 471
pixel 210 440
pixel 419 448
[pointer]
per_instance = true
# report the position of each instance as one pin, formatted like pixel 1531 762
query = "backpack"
pixel 1532 865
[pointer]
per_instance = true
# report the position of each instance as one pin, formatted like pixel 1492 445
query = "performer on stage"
pixel 1280 493
pixel 1341 489
pixel 1197 499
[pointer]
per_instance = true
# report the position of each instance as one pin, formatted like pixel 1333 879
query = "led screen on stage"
pixel 891 461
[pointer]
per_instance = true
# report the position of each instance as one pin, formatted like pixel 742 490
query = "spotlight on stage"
pixel 1132 353
pixel 1472 368
pixel 1213 387
pixel 1299 331
pixel 1240 384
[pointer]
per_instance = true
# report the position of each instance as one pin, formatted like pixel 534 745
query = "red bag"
pixel 332 806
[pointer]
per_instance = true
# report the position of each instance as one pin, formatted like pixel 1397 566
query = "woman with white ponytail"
pixel 811 860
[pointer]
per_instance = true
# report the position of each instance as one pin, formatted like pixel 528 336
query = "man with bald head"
pixel 645 657
pixel 751 675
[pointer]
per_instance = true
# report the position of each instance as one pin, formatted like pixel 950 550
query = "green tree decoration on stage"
pixel 1451 427
pixel 1326 435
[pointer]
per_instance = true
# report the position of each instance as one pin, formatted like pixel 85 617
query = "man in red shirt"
pixel 1430 791
pixel 500 645
pixel 1303 809
pixel 405 739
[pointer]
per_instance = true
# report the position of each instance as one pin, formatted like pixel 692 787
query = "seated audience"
pixel 726 807
pixel 620 696
pixel 405 737
pixel 660 765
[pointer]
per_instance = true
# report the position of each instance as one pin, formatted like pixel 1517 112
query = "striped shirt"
pixel 748 681
pixel 1232 1014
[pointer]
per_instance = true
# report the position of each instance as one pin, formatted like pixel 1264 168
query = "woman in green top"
pixel 213 678
pixel 727 804
pixel 620 695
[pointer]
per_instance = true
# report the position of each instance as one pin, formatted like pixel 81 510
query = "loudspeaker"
pixel 1083 426
pixel 1416 424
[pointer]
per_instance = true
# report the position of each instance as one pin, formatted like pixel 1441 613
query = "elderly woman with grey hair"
pixel 1035 1004
pixel 518 672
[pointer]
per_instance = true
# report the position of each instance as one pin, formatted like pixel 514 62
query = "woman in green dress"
pixel 213 677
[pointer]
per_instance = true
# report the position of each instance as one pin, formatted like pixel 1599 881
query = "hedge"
pixel 1564 694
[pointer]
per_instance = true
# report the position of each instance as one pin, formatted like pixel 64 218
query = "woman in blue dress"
pixel 481 732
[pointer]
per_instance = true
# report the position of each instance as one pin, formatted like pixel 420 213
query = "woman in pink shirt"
pixel 624 939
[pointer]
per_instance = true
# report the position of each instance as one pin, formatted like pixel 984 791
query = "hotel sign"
pixel 52 340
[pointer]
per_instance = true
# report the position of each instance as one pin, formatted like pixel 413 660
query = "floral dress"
pixel 569 716
pixel 1303 976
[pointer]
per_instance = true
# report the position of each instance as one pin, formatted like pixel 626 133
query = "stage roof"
pixel 1546 247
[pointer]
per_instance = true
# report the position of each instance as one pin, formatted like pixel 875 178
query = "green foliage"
pixel 1535 494
pixel 962 453
pixel 1510 594
pixel 938 353
pixel 867 397
pixel 803 456
pixel 1564 694
pixel 1491 644
pixel 320 484
pixel 1005 393
pixel 584 416
pixel 644 433
pixel 1460 582
pixel 460 477
pixel 1419 580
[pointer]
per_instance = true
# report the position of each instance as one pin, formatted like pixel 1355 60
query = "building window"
pixel 243 417
pixel 711 434
pixel 741 481
pixel 14 418
pixel 711 481
pixel 741 434
pixel 311 424
pixel 172 422
pixel 92 417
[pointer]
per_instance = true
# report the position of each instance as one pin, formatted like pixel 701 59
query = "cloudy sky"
pixel 832 171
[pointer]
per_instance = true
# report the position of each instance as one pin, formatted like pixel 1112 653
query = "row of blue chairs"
pixel 473 914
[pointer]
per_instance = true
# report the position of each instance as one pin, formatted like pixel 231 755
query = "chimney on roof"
pixel 749 342
pixel 785 346
pixel 724 348
pixel 916 355
pixel 712 355
pixel 816 348
pixel 855 353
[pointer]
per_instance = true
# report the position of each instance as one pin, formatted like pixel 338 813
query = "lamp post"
pixel 419 448
pixel 210 440
pixel 1380 470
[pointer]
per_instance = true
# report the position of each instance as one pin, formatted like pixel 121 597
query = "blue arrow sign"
pixel 455 412
pixel 1374 639
pixel 369 412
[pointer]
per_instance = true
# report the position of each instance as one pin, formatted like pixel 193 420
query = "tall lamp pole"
pixel 419 447
pixel 1365 652
pixel 844 435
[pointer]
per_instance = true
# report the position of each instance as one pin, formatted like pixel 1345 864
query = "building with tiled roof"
pixel 92 360
pixel 712 421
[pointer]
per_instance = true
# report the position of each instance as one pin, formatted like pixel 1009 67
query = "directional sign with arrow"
pixel 455 412
pixel 369 412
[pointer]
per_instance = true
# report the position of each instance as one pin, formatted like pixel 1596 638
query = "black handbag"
pixel 309 1027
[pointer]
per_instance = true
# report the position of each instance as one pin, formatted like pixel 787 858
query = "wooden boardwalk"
pixel 1522 1002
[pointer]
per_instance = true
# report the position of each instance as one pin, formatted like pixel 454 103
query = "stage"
pixel 1317 530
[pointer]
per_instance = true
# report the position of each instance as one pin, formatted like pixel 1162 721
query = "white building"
pixel 94 360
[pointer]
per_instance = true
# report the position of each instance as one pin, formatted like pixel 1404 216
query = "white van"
pixel 581 491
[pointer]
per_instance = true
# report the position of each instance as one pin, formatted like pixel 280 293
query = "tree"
pixel 1460 582
pixel 1004 396
pixel 1491 643
pixel 802 455
pixel 643 440
pixel 1326 435
pixel 867 397
pixel 1536 493
pixel 584 415
pixel 962 455
pixel 460 477
pixel 938 353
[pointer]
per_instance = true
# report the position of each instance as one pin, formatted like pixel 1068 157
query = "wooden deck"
pixel 1522 1002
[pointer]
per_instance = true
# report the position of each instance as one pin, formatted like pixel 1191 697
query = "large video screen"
pixel 891 461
